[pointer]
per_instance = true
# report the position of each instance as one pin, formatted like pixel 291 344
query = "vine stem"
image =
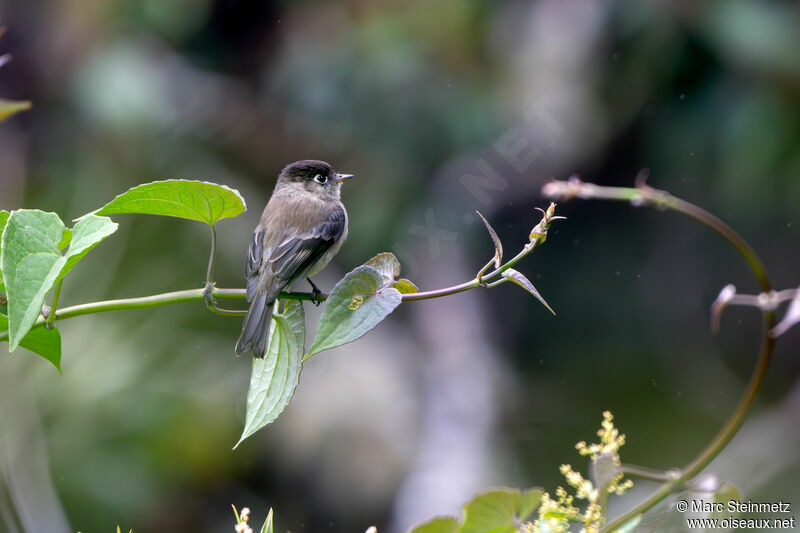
pixel 479 281
pixel 645 195
pixel 210 292
pixel 193 295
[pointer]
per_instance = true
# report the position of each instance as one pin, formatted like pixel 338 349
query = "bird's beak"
pixel 343 177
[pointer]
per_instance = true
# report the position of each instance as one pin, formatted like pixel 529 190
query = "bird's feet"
pixel 315 292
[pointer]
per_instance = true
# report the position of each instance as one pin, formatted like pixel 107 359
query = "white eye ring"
pixel 319 178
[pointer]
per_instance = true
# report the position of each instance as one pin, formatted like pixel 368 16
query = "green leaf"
pixel 42 341
pixel 520 279
pixel 387 264
pixel 499 510
pixel 267 527
pixel 404 286
pixel 358 303
pixel 11 107
pixel 32 262
pixel 630 525
pixel 498 246
pixel 275 376
pixel 195 200
pixel 440 524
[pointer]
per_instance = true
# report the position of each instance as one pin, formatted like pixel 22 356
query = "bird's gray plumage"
pixel 302 227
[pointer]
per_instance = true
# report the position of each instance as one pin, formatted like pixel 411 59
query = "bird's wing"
pixel 254 257
pixel 299 252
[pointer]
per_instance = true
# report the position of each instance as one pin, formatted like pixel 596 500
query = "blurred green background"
pixel 439 108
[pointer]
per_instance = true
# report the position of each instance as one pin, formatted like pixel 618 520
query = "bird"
pixel 302 227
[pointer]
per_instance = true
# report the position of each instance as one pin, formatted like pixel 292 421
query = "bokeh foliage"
pixel 407 95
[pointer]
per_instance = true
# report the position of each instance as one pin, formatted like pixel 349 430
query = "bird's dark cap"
pixel 307 169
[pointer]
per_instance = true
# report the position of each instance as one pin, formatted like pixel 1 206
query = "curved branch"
pixel 645 195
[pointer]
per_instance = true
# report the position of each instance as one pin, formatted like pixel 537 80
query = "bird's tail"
pixel 256 326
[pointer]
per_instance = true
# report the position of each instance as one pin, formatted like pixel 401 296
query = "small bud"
pixel 245 514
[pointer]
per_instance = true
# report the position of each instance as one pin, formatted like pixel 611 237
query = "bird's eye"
pixel 319 178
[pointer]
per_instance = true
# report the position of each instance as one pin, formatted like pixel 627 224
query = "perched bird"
pixel 302 227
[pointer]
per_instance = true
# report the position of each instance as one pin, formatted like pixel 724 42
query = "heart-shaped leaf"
pixel 42 341
pixel 440 524
pixel 498 246
pixel 195 200
pixel 32 261
pixel 275 376
pixel 11 107
pixel 358 303
pixel 499 510
pixel 520 279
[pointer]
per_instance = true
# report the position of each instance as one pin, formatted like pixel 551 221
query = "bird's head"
pixel 317 177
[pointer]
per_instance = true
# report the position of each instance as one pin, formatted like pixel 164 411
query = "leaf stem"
pixel 51 316
pixel 645 195
pixel 213 255
pixel 208 293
